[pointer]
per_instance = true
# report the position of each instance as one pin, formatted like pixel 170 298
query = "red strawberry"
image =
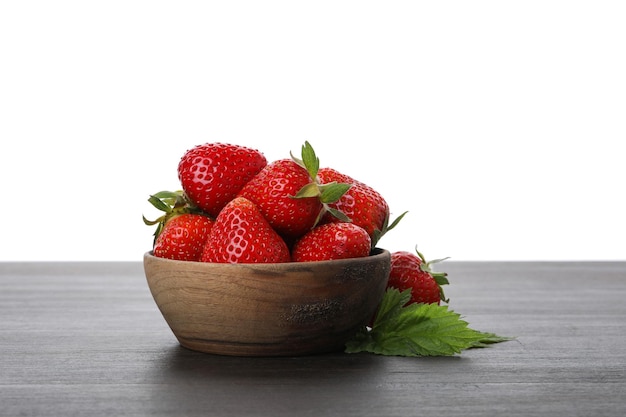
pixel 181 230
pixel 242 235
pixel 332 241
pixel 289 196
pixel 212 174
pixel 363 205
pixel 183 237
pixel 273 190
pixel 409 270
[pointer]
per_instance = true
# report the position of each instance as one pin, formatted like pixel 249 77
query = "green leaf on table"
pixel 417 330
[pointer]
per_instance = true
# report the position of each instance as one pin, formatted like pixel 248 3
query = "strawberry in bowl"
pixel 265 272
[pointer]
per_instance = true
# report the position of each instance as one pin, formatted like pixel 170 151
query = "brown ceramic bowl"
pixel 288 309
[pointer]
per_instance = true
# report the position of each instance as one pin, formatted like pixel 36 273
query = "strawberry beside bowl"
pixel 279 309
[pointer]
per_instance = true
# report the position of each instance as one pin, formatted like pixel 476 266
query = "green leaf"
pixel 309 190
pixel 331 192
pixel 491 338
pixel 172 203
pixel 401 329
pixel 395 222
pixel 441 278
pixel 338 214
pixel 151 222
pixel 391 306
pixel 296 159
pixel 172 195
pixel 160 204
pixel 378 234
pixel 310 160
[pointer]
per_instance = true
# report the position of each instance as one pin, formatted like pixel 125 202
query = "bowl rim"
pixel 375 255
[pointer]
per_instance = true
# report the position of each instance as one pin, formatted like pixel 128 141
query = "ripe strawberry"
pixel 181 230
pixel 183 237
pixel 242 235
pixel 288 195
pixel 363 205
pixel 412 271
pixel 332 241
pixel 273 189
pixel 212 174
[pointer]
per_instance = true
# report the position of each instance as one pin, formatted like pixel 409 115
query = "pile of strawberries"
pixel 236 207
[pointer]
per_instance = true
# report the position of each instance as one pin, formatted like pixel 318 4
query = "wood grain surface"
pixel 86 339
pixel 283 309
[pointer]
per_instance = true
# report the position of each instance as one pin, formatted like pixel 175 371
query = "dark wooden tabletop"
pixel 86 339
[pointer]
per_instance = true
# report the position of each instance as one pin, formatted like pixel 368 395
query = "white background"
pixel 497 124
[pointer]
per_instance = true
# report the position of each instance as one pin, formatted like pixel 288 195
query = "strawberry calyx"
pixel 441 278
pixel 327 193
pixel 308 160
pixel 172 204
pixel 379 233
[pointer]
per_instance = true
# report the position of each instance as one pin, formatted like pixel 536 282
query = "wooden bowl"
pixel 287 309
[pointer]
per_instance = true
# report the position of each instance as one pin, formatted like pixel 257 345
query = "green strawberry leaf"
pixel 309 160
pixel 332 191
pixel 378 234
pixel 441 278
pixel 337 213
pixel 490 339
pixel 309 190
pixel 327 193
pixel 417 330
pixel 171 203
pixel 160 204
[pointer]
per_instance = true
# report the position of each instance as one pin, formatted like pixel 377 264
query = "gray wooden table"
pixel 86 339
